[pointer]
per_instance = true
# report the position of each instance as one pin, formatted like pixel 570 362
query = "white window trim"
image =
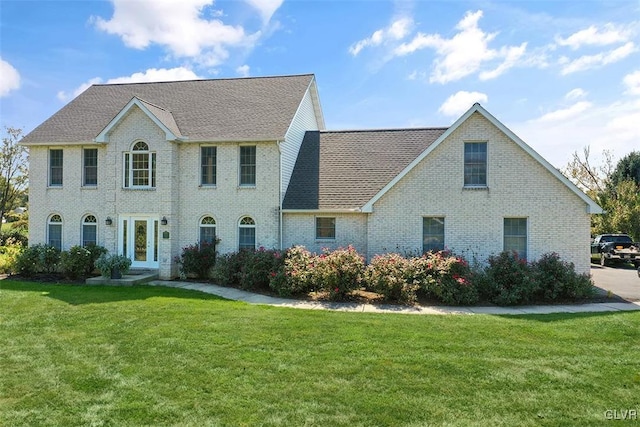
pixel 84 168
pixel 127 166
pixel 527 230
pixel 61 223
pixel 255 177
pixel 444 231
pixel 82 225
pixel 254 226
pixel 49 177
pixel 214 226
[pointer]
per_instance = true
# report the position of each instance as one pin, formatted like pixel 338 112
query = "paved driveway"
pixel 622 280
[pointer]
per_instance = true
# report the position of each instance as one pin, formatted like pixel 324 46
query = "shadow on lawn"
pixel 81 294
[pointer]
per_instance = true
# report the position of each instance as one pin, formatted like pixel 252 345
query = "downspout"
pixel 280 197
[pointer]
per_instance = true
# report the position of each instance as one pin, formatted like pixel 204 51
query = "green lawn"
pixel 73 355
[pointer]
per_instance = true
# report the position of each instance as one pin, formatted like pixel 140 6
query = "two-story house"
pixel 145 169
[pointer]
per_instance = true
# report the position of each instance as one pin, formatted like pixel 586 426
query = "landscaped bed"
pixel 74 355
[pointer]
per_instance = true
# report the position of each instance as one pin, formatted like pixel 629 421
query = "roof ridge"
pixel 205 80
pixel 384 129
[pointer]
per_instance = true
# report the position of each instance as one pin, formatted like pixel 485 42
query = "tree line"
pixel 614 186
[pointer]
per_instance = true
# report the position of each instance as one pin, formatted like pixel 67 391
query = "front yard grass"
pixel 75 355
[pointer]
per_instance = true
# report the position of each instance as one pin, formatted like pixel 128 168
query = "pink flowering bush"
pixel 448 278
pixel 197 260
pixel 508 280
pixel 248 269
pixel 392 276
pixel 296 275
pixel 338 272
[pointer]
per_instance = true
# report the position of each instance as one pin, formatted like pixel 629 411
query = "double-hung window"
pixel 208 166
pixel 248 165
pixel 207 230
pixel 90 167
pixel 247 233
pixel 140 167
pixel 325 228
pixel 54 231
pixel 55 168
pixel 475 164
pixel 89 230
pixel 515 236
pixel 432 234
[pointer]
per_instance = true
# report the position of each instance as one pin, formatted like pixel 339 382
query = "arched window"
pixel 247 233
pixel 140 167
pixel 89 230
pixel 207 230
pixel 54 231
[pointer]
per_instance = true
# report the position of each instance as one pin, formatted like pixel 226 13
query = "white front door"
pixel 138 240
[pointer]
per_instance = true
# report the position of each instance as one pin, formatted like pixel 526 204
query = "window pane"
pixel 432 234
pixel 325 228
pixel 515 236
pixel 207 234
pixel 55 167
pixel 140 169
pixel 247 238
pixel 208 176
pixel 248 165
pixel 55 235
pixel 89 234
pixel 475 163
pixel 91 166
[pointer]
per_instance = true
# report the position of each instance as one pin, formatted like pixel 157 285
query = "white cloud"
pixel 266 7
pixel 587 62
pixel 243 70
pixel 10 78
pixel 565 113
pixel 612 127
pixel 397 30
pixel 150 75
pixel 180 27
pixel 460 102
pixel 632 82
pixel 594 36
pixel 576 93
pixel 464 53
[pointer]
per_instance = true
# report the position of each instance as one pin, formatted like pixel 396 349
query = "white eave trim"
pixel 103 135
pixel 592 207
pixel 322 211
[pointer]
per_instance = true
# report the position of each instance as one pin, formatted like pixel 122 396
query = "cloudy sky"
pixel 563 75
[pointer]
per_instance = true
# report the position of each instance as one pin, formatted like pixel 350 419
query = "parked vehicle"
pixel 616 247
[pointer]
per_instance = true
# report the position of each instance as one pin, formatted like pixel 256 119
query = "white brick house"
pixel 146 169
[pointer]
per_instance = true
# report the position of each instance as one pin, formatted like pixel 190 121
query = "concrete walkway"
pixel 251 298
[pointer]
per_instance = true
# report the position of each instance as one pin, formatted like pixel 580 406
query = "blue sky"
pixel 563 75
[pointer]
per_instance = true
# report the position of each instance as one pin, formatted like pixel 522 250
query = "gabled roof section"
pixel 592 206
pixel 161 117
pixel 215 110
pixel 342 170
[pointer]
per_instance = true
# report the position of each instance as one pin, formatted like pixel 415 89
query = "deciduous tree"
pixel 13 170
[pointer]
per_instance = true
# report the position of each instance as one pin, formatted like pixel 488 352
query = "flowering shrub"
pixel 295 276
pixel 450 280
pixel 338 272
pixel 391 275
pixel 197 259
pixel 557 279
pixel 75 262
pixel 37 259
pixel 258 268
pixel 509 280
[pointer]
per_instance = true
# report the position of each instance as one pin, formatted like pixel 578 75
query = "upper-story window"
pixel 140 167
pixel 248 165
pixel 55 168
pixel 54 231
pixel 475 164
pixel 89 230
pixel 90 167
pixel 208 165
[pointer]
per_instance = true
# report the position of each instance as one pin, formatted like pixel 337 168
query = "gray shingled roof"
pixel 204 110
pixel 345 169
